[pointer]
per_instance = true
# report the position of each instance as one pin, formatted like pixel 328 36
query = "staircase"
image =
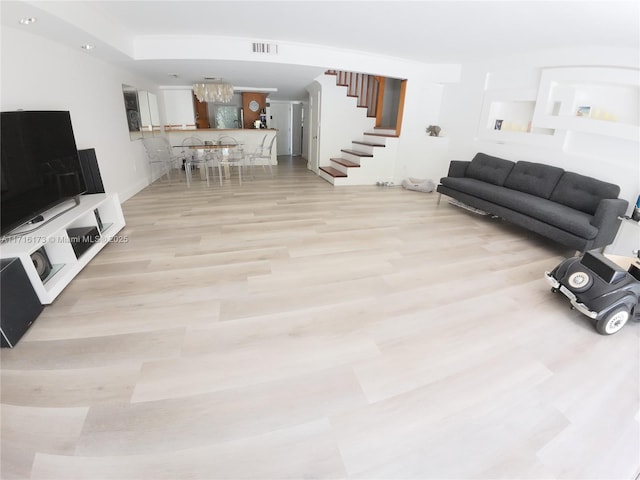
pixel 366 162
pixel 362 86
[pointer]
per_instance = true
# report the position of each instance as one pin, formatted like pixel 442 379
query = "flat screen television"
pixel 39 165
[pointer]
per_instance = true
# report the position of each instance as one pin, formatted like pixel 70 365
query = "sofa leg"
pixel 438 201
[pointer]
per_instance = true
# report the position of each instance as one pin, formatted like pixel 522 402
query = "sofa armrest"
pixel 608 211
pixel 458 168
pixel 606 219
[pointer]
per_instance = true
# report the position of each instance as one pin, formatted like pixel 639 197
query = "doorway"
pixel 286 117
pixel 281 120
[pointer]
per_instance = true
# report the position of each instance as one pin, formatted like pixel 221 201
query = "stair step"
pixel 345 162
pixel 369 144
pixel 333 172
pixel 357 153
pixel 390 135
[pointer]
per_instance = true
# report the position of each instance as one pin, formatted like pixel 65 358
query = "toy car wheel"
pixel 613 321
pixel 580 281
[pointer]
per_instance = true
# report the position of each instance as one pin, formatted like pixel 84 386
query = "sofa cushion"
pixel 558 215
pixel 534 178
pixel 474 187
pixel 582 193
pixel 458 168
pixel 489 169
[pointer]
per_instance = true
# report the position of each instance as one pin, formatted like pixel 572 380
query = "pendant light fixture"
pixel 217 91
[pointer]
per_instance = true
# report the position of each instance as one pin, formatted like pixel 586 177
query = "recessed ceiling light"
pixel 27 20
pixel 88 46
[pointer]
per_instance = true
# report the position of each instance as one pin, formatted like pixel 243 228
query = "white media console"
pixel 97 211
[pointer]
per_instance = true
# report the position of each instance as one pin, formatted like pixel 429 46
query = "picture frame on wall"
pixel 498 125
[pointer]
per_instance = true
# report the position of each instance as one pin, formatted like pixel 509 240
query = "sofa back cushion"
pixel 489 169
pixel 534 178
pixel 582 193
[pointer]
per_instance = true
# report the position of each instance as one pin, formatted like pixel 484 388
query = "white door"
pixel 281 120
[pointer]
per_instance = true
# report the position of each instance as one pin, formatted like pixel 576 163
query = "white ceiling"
pixel 425 31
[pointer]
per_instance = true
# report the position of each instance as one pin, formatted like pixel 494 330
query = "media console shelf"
pixel 100 211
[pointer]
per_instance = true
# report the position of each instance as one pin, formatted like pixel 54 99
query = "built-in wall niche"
pixel 218 114
pixel 614 103
pixel 514 115
pixel 225 115
pixel 507 116
pixel 596 100
pixel 141 110
pixel 580 101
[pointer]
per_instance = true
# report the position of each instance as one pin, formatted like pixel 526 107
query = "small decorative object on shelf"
pixel 433 130
pixel 583 111
pixel 498 125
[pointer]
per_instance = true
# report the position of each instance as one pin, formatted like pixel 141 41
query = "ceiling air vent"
pixel 268 48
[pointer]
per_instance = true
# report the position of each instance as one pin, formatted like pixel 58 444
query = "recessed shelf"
pixel 546 115
pixel 55 268
pixel 611 96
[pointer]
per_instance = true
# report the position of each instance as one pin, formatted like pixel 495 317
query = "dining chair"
pixel 264 156
pixel 250 157
pixel 192 159
pixel 231 155
pixel 160 155
pixel 187 142
pixel 211 157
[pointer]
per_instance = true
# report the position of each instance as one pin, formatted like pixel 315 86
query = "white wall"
pixel 418 154
pixel 618 161
pixel 178 106
pixel 341 120
pixel 38 74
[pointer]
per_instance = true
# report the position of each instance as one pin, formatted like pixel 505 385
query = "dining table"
pixel 214 146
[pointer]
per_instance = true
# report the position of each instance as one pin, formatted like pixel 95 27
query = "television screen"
pixel 39 165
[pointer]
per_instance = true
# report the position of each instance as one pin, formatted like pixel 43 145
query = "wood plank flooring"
pixel 288 329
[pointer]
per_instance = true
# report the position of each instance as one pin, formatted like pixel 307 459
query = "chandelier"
pixel 213 92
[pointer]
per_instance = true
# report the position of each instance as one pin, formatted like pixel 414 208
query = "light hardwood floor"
pixel 289 329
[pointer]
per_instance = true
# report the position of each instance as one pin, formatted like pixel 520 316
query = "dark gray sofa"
pixel 574 210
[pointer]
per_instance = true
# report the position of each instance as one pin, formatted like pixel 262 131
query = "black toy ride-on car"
pixel 600 289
